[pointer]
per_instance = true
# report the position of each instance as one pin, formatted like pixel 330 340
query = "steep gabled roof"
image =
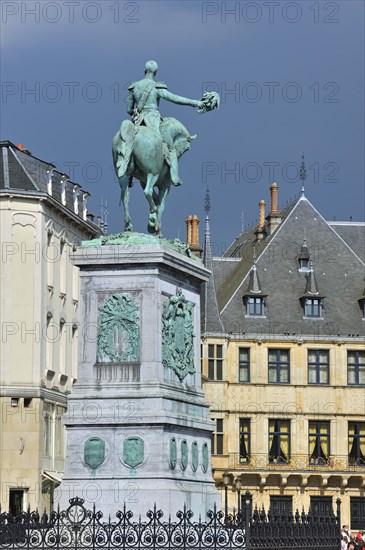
pixel 339 278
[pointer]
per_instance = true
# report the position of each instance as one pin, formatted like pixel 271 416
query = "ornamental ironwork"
pixel 178 335
pixel 118 330
pixel 78 528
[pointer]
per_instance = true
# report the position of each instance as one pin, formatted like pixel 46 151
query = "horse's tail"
pixel 122 147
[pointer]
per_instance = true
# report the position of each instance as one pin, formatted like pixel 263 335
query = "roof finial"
pixel 302 174
pixel 207 203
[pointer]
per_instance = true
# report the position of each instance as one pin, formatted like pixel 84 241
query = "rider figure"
pixel 143 105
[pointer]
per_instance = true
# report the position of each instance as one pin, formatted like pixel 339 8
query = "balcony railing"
pixel 296 462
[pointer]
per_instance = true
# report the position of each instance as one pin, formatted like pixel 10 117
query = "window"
pixel 244 365
pixel 255 306
pixel 321 506
pixel 313 307
pixel 279 441
pixel 318 366
pixel 16 501
pixel 357 512
pixel 356 367
pixel 215 362
pixel 217 437
pixel 319 442
pixel 356 443
pixel 245 440
pixel 279 366
pixel 281 505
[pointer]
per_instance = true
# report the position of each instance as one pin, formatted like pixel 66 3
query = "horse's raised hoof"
pixel 128 227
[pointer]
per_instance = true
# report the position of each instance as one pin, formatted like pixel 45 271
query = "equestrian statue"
pixel 148 147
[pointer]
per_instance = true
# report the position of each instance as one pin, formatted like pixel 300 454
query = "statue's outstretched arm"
pixel 165 94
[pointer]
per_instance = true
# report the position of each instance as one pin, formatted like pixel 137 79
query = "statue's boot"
pixel 174 168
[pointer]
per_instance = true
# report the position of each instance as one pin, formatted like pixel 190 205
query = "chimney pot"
pixel 274 199
pixel 262 205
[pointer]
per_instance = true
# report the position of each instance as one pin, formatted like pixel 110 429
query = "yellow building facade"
pixel 284 363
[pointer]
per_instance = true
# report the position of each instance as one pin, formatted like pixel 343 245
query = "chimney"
pixel 260 232
pixel 273 219
pixel 274 199
pixel 188 229
pixel 192 235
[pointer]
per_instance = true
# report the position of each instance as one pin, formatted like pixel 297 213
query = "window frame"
pixel 244 365
pixel 255 306
pixel 244 431
pixel 357 512
pixel 310 306
pixel 215 362
pixel 322 506
pixel 317 364
pixel 355 440
pixel 319 460
pixel 359 367
pixel 278 364
pixel 218 437
pixel 281 505
pixel 279 433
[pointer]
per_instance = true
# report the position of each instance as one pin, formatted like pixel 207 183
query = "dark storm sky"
pixel 290 75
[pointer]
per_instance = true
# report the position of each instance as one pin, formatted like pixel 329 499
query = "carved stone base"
pixel 138 424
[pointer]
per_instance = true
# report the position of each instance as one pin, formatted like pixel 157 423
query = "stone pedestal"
pixel 138 426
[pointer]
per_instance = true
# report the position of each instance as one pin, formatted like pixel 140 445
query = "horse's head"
pixel 182 142
pixel 179 134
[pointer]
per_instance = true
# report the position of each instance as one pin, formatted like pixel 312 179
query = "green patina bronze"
pixel 94 452
pixel 205 453
pixel 118 330
pixel 173 453
pixel 184 454
pixel 133 451
pixel 177 335
pixel 148 147
pixel 130 241
pixel 194 456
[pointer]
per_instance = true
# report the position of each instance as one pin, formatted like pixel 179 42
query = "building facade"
pixel 43 217
pixel 284 362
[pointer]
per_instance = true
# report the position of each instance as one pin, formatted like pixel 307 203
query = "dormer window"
pixel 313 307
pixel 303 263
pixel 255 306
pixel 254 298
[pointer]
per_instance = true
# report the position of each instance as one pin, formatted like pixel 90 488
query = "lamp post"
pixel 248 499
pixel 238 487
pixel 226 480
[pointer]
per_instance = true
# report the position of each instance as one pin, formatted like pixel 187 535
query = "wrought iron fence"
pixel 78 528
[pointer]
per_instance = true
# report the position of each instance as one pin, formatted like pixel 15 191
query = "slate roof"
pixel 337 275
pixel 22 172
pixel 353 233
